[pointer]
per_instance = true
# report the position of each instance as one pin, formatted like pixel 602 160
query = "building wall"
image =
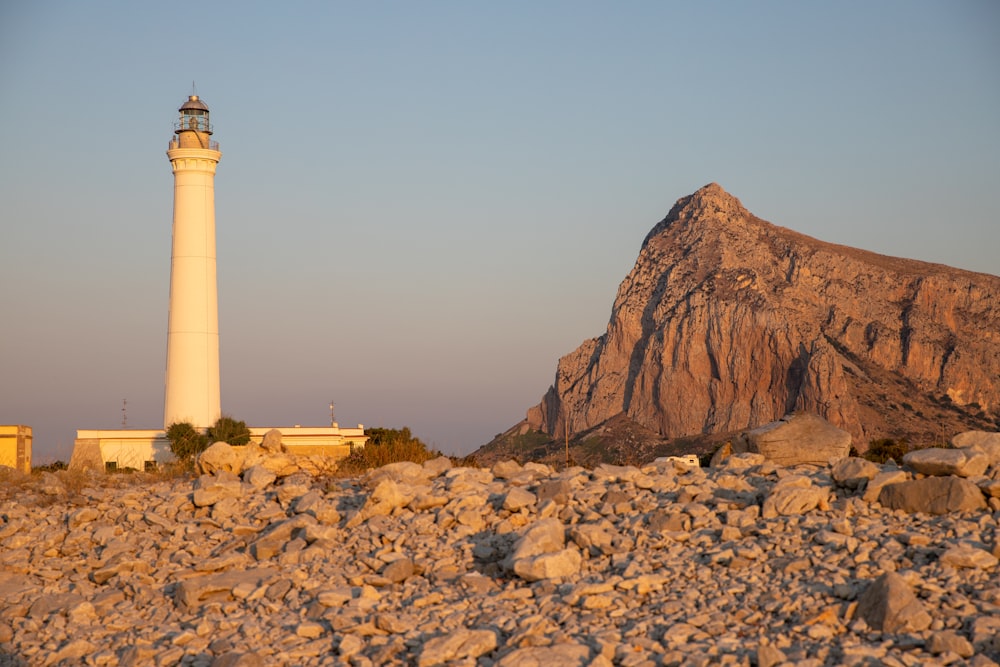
pixel 15 447
pixel 135 448
pixel 123 448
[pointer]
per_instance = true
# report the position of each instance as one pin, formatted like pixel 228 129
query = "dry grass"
pixel 43 488
pixel 12 481
pixel 386 446
pixel 376 456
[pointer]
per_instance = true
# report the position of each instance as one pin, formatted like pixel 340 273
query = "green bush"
pixel 227 429
pixel 884 449
pixel 386 445
pixel 186 442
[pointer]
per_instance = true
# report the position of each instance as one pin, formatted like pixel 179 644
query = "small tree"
pixel 227 429
pixel 883 449
pixel 186 441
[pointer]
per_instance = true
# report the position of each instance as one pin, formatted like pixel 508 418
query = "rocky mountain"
pixel 729 322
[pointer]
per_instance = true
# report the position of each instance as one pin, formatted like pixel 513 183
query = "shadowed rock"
pixel 889 605
pixel 933 495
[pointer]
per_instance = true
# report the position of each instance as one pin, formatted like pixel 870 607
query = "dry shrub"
pixel 76 481
pixel 13 481
pixel 386 445
pixel 880 451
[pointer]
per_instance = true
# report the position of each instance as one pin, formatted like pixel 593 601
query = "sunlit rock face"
pixel 728 322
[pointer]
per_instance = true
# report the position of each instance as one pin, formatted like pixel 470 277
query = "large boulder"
pixel 933 495
pixel 984 441
pixel 889 605
pixel 220 456
pixel 794 495
pixel 852 472
pixel 540 554
pixel 272 443
pixel 939 461
pixel 797 438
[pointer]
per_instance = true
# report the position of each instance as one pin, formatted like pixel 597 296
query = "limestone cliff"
pixel 728 322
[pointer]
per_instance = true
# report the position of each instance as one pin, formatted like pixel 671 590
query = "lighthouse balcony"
pixel 175 143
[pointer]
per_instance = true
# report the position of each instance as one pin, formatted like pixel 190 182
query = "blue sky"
pixel 422 206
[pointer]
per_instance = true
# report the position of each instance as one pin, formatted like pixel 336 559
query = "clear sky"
pixel 422 206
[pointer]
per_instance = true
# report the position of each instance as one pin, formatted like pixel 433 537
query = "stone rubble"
pixel 746 563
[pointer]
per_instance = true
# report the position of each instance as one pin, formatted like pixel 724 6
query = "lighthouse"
pixel 192 377
pixel 192 374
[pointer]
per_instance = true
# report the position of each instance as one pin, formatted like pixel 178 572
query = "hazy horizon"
pixel 420 208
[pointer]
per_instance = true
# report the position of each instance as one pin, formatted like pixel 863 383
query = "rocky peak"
pixel 710 207
pixel 729 322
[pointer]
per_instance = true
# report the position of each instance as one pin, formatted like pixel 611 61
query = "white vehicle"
pixel 686 461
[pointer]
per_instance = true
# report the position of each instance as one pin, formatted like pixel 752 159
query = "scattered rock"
pixel 769 655
pixel 259 477
pixel 540 554
pixel 967 556
pixel 435 564
pixel 518 498
pixel 398 570
pixel 950 641
pixel 558 655
pixel 238 659
pixel 461 644
pixel 210 489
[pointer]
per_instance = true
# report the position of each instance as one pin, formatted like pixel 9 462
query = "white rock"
pixel 939 461
pixel 219 456
pixel 967 556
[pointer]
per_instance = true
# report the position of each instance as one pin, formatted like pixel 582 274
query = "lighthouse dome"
pixel 194 102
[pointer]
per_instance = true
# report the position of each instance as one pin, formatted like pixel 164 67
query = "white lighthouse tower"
pixel 192 377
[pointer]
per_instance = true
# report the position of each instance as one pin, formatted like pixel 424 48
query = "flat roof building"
pixel 15 447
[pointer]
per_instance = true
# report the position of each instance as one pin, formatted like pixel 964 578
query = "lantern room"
pixel 193 127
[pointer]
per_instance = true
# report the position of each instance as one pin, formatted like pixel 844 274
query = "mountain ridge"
pixel 728 321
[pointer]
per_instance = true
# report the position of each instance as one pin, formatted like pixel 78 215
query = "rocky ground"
pixel 744 563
